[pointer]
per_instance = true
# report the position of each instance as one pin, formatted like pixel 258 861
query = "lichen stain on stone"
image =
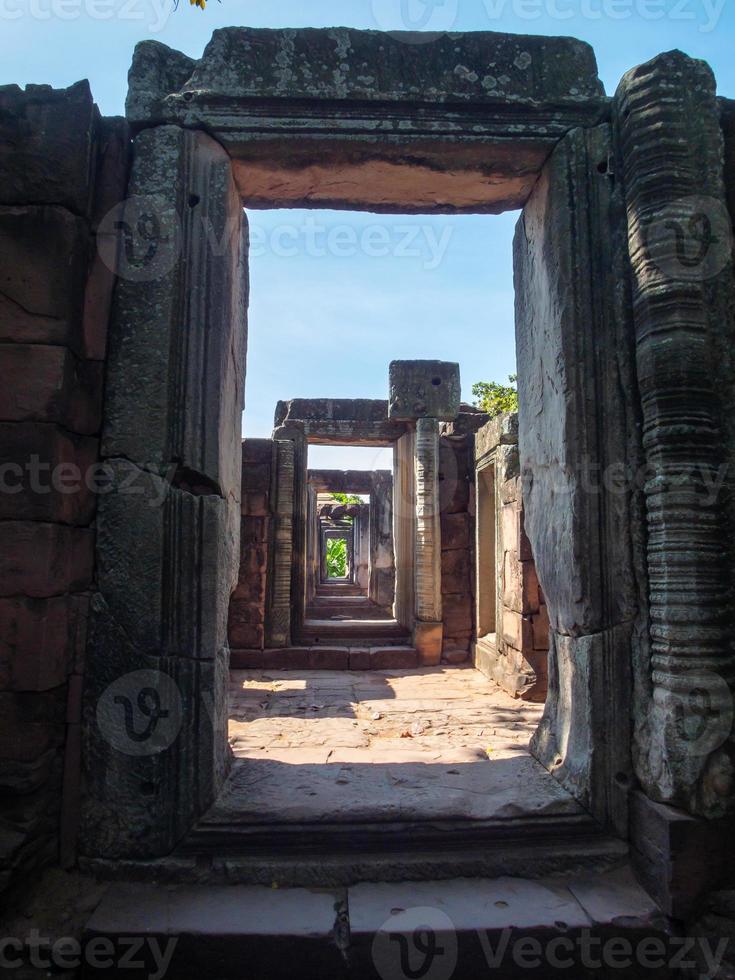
pixel 523 60
pixel 463 72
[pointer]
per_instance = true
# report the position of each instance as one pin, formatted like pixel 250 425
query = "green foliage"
pixel 347 498
pixel 496 399
pixel 336 557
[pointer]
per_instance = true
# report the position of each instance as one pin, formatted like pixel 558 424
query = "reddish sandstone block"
pixel 32 728
pixel 46 473
pixel 455 571
pixel 510 491
pixel 520 584
pixel 541 629
pixel 39 383
pixel 359 659
pixel 253 531
pixel 457 614
pixel 257 451
pixel 254 504
pixel 242 611
pixel 246 636
pixel 256 477
pixel 98 303
pixel 517 630
pixel 456 475
pixel 42 560
pixel 393 658
pixel 251 586
pixel 329 658
pixel 456 531
pixel 43 273
pixel 455 655
pixel 37 642
pixel 48 157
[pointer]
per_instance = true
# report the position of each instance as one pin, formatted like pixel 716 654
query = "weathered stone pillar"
pixel 578 440
pixel 679 239
pixel 362 547
pixel 382 558
pixel 428 628
pixel 404 517
pixel 278 614
pixel 425 392
pixel 168 524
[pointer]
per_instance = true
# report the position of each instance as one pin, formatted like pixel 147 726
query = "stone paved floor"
pixel 439 742
pixel 428 714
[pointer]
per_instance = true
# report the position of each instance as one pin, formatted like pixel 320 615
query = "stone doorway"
pixel 545 145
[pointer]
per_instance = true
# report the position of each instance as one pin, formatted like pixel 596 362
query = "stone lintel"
pixel 332 409
pixel 339 421
pixel 480 112
pixel 347 481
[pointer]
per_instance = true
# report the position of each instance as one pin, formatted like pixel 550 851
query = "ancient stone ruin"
pixel 578 554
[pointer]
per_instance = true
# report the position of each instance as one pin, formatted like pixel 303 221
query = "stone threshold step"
pixel 199 860
pixel 457 928
pixel 326 658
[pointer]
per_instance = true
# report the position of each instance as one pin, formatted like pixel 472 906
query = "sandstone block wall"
pixel 62 168
pixel 456 503
pixel 516 655
pixel 246 628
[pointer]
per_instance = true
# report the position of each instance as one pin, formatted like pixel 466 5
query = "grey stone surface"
pixel 341 63
pixel 424 389
pixel 164 558
pixel 683 302
pixel 470 904
pixel 328 747
pixel 152 762
pixel 178 334
pixel 580 450
pixel 169 525
pixel 589 677
pixel 533 89
pixel 236 930
pixel 236 911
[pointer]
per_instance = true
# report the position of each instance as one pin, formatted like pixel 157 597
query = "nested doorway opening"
pixel 342 717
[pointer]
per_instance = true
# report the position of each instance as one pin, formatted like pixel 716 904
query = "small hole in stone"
pixel 188 96
pixel 602 167
pixel 436 382
pixel 621 778
pixel 560 925
pixel 194 199
pixel 501 905
pixel 147 789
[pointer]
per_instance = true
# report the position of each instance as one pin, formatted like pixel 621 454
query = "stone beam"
pixel 327 117
pixel 347 481
pixel 340 421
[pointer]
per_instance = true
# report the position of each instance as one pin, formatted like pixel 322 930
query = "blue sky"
pixel 326 319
